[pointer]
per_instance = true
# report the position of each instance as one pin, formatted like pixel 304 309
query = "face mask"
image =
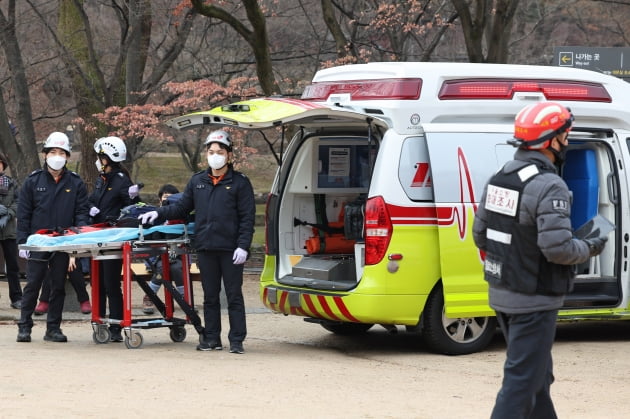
pixel 560 155
pixel 216 161
pixel 99 165
pixel 56 162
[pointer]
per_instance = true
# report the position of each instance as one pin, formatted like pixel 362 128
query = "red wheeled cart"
pixel 131 251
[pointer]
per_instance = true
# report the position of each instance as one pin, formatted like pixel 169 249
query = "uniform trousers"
pixel 110 288
pixel 42 265
pixel 213 266
pixel 528 368
pixel 10 252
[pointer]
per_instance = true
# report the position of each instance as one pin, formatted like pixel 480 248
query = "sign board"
pixel 612 61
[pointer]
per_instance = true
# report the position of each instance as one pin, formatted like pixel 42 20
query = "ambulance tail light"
pixel 378 230
pixel 505 89
pixel 379 89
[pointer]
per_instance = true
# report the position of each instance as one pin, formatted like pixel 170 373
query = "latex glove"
pixel 24 254
pixel 148 217
pixel 3 210
pixel 4 220
pixel 134 191
pixel 94 211
pixel 240 256
pixel 72 264
pixel 596 245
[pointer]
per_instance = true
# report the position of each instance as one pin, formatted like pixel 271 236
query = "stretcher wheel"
pixel 178 333
pixel 133 340
pixel 101 334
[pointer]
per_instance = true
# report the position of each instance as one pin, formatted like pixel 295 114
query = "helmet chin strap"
pixel 559 155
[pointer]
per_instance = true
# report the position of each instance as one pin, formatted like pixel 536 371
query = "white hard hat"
pixel 57 140
pixel 220 137
pixel 113 147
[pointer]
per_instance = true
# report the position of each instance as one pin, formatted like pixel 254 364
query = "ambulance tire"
pixel 346 329
pixel 452 336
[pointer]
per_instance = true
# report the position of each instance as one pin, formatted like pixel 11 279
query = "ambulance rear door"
pixel 462 160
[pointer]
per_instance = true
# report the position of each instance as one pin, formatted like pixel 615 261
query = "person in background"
pixel 75 276
pixel 113 191
pixel 155 265
pixel 523 225
pixel 8 211
pixel 223 201
pixel 51 198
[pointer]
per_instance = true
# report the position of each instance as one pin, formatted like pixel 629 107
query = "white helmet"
pixel 57 140
pixel 220 137
pixel 113 147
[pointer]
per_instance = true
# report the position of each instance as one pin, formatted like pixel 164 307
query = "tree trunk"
pixel 256 38
pixel 489 20
pixel 21 149
pixel 341 43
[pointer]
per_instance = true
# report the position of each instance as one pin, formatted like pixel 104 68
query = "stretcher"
pixel 131 244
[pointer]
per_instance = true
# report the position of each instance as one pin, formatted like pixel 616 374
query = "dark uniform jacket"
pixel 9 198
pixel 110 195
pixel 46 204
pixel 224 214
pixel 544 237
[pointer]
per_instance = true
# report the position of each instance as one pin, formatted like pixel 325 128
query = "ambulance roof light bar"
pixel 563 90
pixel 377 89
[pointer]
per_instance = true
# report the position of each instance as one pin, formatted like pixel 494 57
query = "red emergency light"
pixel 380 89
pixel 466 89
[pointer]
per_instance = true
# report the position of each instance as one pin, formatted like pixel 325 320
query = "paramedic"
pixel 113 191
pixel 523 226
pixel 223 200
pixel 8 211
pixel 51 198
pixel 155 263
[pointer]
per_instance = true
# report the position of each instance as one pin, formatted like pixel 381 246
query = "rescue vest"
pixel 513 258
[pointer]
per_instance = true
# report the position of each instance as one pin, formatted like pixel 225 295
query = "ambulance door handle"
pixel 612 190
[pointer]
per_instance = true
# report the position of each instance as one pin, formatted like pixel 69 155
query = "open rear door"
pixel 270 112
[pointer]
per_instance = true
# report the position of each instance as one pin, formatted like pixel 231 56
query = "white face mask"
pixel 56 162
pixel 216 161
pixel 99 165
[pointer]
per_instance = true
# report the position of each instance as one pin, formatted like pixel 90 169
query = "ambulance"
pixel 369 218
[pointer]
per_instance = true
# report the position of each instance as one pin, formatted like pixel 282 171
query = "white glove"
pixel 94 211
pixel 134 191
pixel 148 217
pixel 24 254
pixel 240 256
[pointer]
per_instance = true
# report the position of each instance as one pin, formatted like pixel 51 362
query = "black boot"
pixel 55 335
pixel 115 334
pixel 24 334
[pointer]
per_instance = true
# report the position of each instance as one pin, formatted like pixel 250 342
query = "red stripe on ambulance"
pixel 299 103
pixel 343 309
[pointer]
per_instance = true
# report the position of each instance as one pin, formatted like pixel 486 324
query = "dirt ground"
pixel 291 369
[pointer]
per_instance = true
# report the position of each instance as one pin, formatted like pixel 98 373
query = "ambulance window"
pixel 414 171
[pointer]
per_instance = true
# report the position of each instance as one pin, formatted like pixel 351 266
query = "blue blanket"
pixel 106 235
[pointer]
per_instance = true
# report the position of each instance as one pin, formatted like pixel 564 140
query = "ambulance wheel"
pixel 134 340
pixel 101 334
pixel 346 329
pixel 178 333
pixel 454 336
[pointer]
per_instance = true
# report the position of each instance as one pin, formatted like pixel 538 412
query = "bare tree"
pixel 486 26
pixel 256 37
pixel 21 150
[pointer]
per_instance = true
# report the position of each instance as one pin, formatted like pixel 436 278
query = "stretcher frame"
pixel 129 251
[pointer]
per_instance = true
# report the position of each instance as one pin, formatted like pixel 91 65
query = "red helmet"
pixel 535 125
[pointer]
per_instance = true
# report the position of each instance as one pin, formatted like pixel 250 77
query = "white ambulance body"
pixel 370 216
